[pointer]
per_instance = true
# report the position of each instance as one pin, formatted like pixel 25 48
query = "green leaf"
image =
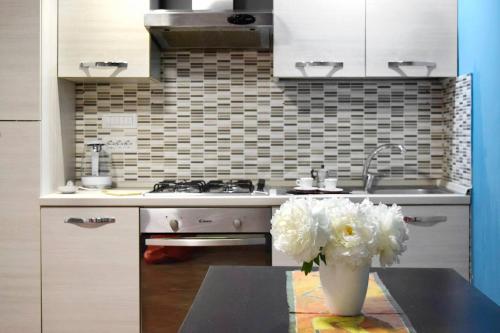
pixel 322 257
pixel 316 260
pixel 307 267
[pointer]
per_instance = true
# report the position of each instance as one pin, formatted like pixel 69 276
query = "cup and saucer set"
pixel 306 185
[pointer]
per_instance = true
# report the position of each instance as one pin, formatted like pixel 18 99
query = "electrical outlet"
pixel 120 144
pixel 119 120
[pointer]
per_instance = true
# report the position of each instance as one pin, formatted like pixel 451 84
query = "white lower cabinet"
pixel 90 271
pixel 439 238
pixel 19 227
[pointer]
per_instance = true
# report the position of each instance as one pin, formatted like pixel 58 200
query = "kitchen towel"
pixel 309 314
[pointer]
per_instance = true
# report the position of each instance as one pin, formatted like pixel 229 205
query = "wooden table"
pixel 253 300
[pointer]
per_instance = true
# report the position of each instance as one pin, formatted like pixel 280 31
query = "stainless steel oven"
pixel 178 246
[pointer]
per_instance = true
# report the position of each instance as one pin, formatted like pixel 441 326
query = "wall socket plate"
pixel 122 120
pixel 119 144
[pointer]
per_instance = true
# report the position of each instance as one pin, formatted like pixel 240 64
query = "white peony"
pixel 353 233
pixel 337 229
pixel 299 229
pixel 392 233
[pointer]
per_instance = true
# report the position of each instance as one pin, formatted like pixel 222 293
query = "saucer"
pixel 300 188
pixel 69 188
pixel 332 190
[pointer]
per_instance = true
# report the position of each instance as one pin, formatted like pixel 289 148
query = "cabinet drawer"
pixel 90 270
pixel 441 240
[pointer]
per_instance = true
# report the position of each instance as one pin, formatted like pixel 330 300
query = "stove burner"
pixel 232 186
pixel 193 186
pixel 168 186
pixel 164 186
pixel 199 186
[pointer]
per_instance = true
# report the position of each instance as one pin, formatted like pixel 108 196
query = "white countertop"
pixel 98 198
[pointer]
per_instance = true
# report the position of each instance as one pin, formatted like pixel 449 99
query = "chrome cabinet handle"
pixel 334 64
pixel 101 64
pixel 396 64
pixel 425 220
pixel 207 241
pixel 90 220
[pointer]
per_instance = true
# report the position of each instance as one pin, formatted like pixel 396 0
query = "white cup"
pixel 330 184
pixel 305 182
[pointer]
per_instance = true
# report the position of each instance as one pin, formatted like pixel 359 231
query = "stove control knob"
pixel 237 223
pixel 174 224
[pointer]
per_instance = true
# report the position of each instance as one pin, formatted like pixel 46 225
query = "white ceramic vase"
pixel 344 287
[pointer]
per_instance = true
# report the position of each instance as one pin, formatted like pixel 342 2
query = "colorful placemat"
pixel 309 314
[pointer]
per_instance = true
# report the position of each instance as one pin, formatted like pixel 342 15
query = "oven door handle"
pixel 207 241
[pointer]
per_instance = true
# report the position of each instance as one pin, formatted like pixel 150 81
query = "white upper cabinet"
pixel 319 38
pixel 19 60
pixel 103 39
pixel 416 38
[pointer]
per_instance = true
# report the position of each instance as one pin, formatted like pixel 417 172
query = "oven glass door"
pixel 174 266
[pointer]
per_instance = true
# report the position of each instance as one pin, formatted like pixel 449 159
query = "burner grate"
pixel 193 186
pixel 164 186
pixel 199 186
pixel 232 186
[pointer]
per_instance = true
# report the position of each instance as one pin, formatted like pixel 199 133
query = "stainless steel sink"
pixel 405 190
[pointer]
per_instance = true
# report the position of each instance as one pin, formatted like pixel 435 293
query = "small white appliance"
pixel 96 166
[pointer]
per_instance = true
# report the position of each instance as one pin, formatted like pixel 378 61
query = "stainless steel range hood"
pixel 196 29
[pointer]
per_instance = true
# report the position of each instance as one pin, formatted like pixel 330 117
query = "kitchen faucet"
pixel 368 178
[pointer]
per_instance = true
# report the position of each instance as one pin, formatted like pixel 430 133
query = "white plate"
pixel 299 188
pixel 338 189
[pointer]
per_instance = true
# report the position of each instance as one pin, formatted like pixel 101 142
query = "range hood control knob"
pixel 237 223
pixel 174 224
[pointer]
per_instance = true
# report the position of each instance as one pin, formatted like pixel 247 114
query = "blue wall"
pixel 479 54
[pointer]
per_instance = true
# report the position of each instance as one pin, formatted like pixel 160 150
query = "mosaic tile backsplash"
pixel 457 159
pixel 220 114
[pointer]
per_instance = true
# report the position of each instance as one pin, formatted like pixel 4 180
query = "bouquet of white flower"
pixel 338 230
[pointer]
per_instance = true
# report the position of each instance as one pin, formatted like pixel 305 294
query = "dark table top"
pixel 253 300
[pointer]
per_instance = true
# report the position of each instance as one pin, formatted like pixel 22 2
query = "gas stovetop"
pixel 228 187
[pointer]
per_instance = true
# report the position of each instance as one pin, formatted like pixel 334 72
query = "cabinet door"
pixel 314 38
pixel 19 59
pixel 421 34
pixel 439 240
pixel 19 227
pixel 103 31
pixel 90 272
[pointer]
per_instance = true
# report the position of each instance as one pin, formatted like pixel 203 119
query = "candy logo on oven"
pixel 204 221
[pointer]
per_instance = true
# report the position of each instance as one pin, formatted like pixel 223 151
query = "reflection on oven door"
pixel 173 268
